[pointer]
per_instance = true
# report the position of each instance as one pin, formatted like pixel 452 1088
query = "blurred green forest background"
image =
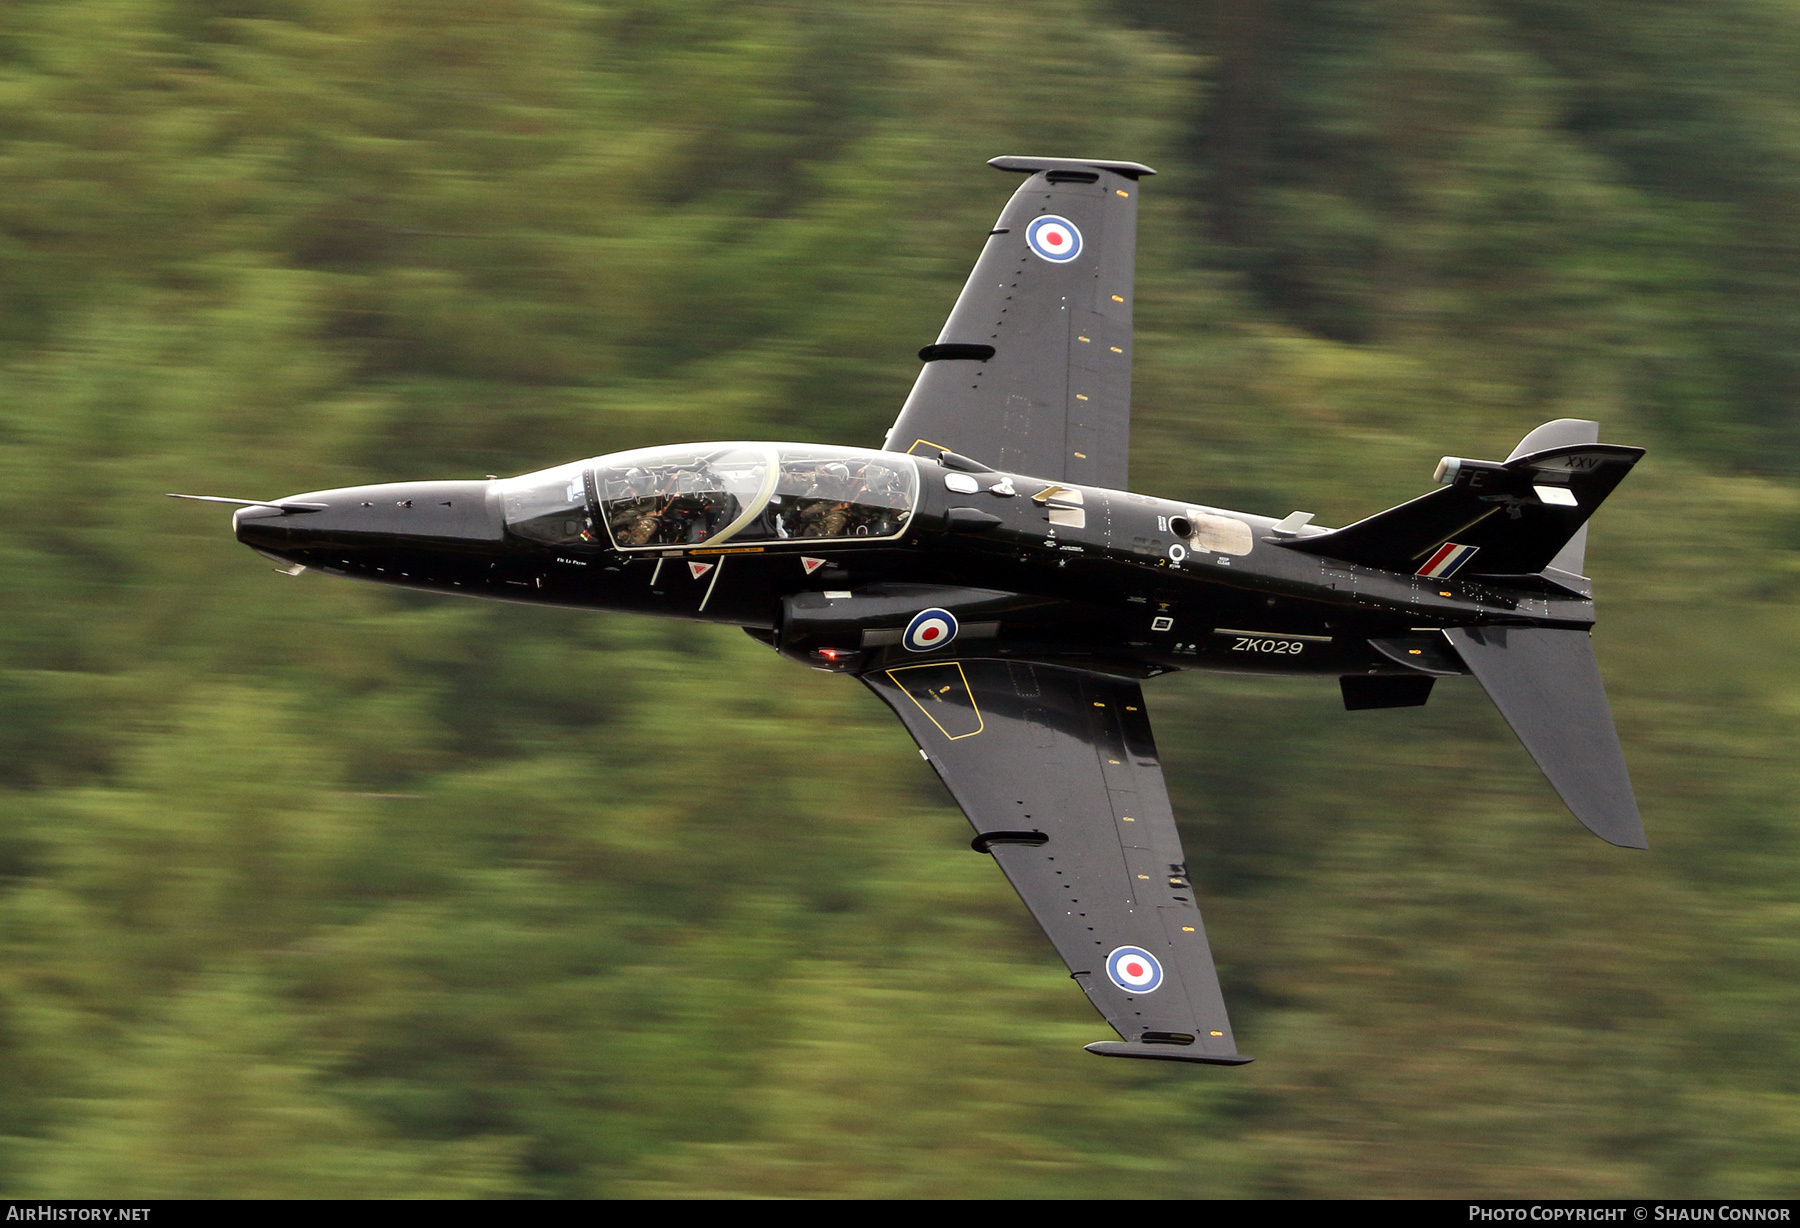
pixel 312 888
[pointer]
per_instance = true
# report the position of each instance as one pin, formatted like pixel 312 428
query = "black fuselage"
pixel 1113 581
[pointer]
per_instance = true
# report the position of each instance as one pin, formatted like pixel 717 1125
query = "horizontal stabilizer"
pixel 1546 684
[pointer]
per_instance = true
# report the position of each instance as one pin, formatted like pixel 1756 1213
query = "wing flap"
pixel 1069 755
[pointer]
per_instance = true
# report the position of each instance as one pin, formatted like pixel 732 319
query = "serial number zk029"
pixel 1257 643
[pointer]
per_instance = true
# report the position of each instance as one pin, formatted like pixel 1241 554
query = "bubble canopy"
pixel 712 493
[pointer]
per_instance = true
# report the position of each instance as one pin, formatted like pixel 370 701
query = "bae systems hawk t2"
pixel 990 575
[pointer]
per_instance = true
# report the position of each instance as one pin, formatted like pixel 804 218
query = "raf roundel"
pixel 930 629
pixel 1134 970
pixel 1054 238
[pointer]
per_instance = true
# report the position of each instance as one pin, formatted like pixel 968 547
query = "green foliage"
pixel 314 889
pixel 1543 186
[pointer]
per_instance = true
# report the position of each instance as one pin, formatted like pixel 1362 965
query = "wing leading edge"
pixel 1057 771
pixel 1032 372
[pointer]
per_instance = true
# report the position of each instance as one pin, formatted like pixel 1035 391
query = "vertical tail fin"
pixel 1519 517
pixel 1560 433
pixel 1546 684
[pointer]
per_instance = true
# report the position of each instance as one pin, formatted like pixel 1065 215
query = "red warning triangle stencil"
pixel 811 565
pixel 697 570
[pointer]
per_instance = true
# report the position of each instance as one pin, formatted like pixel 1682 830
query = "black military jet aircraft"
pixel 989 575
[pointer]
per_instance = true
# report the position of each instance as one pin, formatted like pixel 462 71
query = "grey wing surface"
pixel 1057 771
pixel 1546 683
pixel 1032 372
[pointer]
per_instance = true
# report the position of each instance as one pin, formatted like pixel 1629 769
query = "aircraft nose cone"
pixel 426 514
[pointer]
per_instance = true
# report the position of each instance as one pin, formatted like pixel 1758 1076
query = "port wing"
pixel 1032 372
pixel 1058 773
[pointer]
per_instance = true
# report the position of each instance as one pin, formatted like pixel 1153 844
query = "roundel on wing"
pixel 930 629
pixel 1134 970
pixel 1054 238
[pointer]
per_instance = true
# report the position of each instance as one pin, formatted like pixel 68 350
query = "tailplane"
pixel 1546 684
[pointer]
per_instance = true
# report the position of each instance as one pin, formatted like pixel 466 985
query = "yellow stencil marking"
pixel 980 721
pixel 1123 192
pixel 1117 299
pixel 940 447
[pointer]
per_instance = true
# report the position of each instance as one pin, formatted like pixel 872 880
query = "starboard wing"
pixel 1032 373
pixel 1057 771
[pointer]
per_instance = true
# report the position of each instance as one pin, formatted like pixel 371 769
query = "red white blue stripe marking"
pixel 1447 561
pixel 1054 238
pixel 930 629
pixel 1134 970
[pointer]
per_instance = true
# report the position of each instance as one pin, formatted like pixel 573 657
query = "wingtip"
pixel 1028 166
pixel 1624 831
pixel 1165 1053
